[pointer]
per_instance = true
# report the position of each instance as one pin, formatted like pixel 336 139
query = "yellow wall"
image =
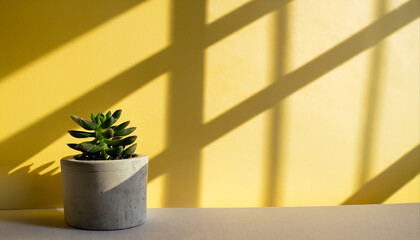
pixel 238 103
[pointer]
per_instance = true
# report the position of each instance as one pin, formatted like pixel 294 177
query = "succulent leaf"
pixel 121 142
pixel 124 132
pixel 108 123
pixel 83 123
pixel 74 146
pixel 108 114
pixel 101 117
pixel 122 126
pixel 115 152
pixel 117 114
pixel 93 117
pixel 89 147
pixel 109 133
pixel 81 134
pixel 98 119
pixel 77 120
pixel 130 150
pixel 104 154
pixel 89 125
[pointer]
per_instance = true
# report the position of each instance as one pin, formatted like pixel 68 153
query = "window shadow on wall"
pixel 389 181
pixel 30 29
pixel 184 59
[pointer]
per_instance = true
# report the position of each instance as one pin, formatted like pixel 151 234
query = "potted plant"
pixel 105 186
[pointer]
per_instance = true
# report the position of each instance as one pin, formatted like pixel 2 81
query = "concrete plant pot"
pixel 105 194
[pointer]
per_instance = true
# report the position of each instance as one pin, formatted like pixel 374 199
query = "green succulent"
pixel 108 142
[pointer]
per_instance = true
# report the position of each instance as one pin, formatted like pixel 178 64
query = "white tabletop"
pixel 389 221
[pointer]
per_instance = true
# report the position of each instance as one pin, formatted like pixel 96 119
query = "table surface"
pixel 377 221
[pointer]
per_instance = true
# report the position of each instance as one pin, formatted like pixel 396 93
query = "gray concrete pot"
pixel 105 194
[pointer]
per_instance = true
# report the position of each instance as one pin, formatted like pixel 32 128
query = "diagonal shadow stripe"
pixel 311 71
pixel 389 181
pixel 267 98
pixel 98 99
pixel 48 24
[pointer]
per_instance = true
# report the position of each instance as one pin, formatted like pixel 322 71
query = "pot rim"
pixel 70 164
pixel 72 159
